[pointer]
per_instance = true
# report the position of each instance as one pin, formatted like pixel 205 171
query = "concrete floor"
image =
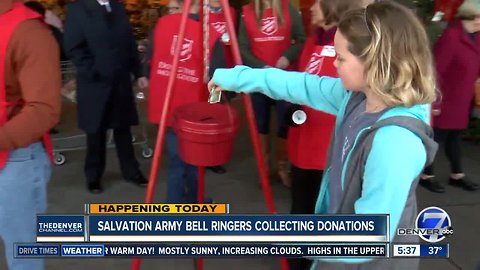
pixel 240 188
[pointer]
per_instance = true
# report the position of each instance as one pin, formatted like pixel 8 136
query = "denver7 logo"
pixel 436 224
pixel 185 48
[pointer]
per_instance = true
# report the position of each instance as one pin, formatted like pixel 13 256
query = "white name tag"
pixel 328 51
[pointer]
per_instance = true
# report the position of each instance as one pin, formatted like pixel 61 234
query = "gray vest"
pixel 353 188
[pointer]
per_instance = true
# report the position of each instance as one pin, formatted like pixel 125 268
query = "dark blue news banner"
pixel 205 250
pixel 214 228
pixel 215 225
pixel 434 250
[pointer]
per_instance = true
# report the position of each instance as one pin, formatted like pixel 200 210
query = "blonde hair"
pixel 468 10
pixel 392 44
pixel 259 8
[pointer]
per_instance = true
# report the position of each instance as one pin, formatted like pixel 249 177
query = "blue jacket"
pixel 395 160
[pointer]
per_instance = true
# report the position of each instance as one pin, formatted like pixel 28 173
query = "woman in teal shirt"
pixel 382 140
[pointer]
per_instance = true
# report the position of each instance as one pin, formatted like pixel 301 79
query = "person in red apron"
pixel 190 87
pixel 30 107
pixel 271 35
pixel 218 24
pixel 310 130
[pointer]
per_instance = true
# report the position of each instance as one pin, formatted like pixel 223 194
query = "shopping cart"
pixel 76 139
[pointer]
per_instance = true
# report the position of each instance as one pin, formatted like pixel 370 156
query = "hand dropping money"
pixel 215 96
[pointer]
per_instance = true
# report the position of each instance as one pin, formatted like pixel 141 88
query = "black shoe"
pixel 95 187
pixel 217 169
pixel 138 180
pixel 432 185
pixel 463 183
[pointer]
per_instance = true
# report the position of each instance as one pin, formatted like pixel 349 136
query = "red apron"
pixel 269 40
pixel 9 22
pixel 189 86
pixel 218 23
pixel 308 143
pixel 448 7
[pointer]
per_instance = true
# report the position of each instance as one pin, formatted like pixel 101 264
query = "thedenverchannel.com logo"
pixel 433 224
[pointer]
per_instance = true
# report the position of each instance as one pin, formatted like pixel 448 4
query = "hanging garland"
pixel 206 41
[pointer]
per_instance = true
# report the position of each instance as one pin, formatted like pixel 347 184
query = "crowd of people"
pixel 355 102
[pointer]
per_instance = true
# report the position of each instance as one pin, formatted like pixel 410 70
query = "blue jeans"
pixel 182 186
pixel 23 195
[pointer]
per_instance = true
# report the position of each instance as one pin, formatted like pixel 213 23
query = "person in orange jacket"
pixel 30 98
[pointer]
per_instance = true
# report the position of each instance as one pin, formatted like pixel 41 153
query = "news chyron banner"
pixel 206 223
pixel 210 230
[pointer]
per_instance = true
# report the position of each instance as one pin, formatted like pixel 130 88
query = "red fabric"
pixel 448 7
pixel 307 20
pixel 218 23
pixel 189 85
pixel 269 40
pixel 308 143
pixel 9 22
pixel 457 61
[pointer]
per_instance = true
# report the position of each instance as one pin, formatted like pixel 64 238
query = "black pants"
pixel 304 192
pixel 451 138
pixel 96 151
pixel 262 106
